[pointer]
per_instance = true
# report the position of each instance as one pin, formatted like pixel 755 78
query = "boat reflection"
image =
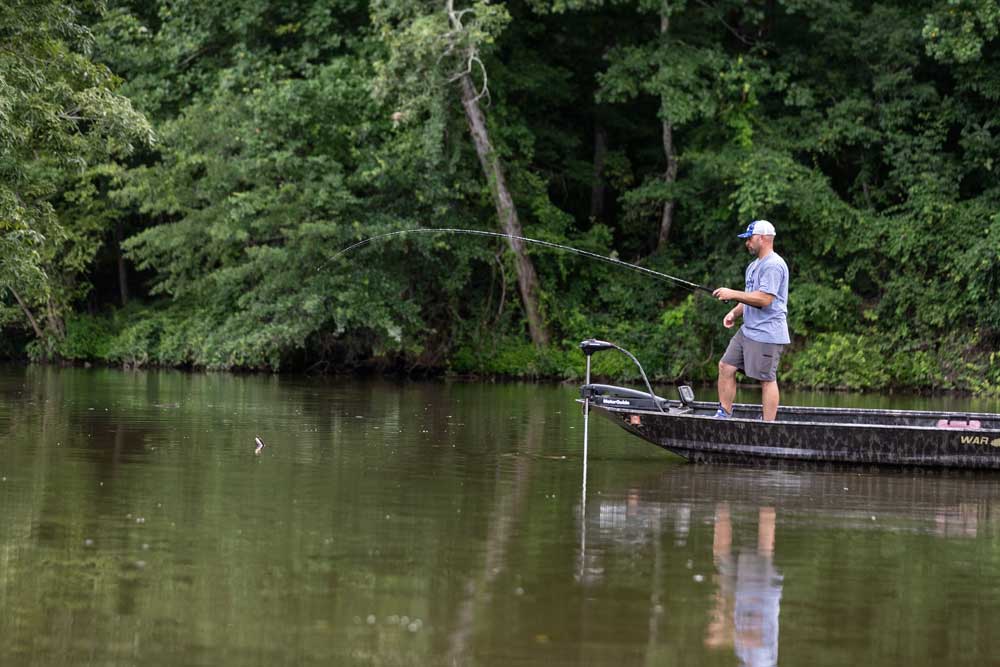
pixel 712 538
pixel 960 521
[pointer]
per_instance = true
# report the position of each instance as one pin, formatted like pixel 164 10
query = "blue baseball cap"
pixel 762 227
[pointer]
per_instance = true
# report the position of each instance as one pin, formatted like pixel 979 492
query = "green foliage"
pixel 840 361
pixel 866 362
pixel 985 377
pixel 60 114
pixel 823 308
pixel 679 335
pixel 958 30
pixel 87 339
pixel 423 52
pixel 865 131
pixel 515 359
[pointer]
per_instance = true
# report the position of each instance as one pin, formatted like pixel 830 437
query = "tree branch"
pixel 455 19
pixel 473 58
pixel 735 33
pixel 27 312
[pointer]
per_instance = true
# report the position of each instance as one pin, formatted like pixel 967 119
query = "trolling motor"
pixel 646 401
pixel 617 396
pixel 592 345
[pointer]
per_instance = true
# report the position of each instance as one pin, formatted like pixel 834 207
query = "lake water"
pixel 442 523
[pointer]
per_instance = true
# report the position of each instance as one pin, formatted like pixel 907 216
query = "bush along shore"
pixel 138 338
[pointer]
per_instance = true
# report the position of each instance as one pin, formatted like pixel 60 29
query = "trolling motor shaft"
pixel 589 347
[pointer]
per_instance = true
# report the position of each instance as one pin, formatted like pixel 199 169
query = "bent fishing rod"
pixel 687 284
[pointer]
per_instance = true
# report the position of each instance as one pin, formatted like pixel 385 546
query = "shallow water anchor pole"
pixel 583 495
pixel 586 424
pixel 588 346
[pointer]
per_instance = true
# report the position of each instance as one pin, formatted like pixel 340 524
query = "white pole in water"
pixel 586 422
pixel 583 496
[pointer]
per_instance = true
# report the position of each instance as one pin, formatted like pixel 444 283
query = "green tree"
pixel 430 51
pixel 59 113
pixel 654 130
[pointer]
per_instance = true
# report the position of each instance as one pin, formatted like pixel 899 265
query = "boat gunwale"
pixel 926 414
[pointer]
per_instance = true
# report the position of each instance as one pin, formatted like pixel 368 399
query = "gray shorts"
pixel 756 360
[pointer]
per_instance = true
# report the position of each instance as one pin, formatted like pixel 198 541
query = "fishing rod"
pixel 687 284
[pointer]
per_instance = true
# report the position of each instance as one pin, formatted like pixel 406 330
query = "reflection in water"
pixel 745 606
pixel 960 521
pixel 441 523
pixel 747 602
pixel 506 514
pixel 851 540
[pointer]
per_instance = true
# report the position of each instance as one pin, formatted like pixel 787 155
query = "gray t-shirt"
pixel 767 325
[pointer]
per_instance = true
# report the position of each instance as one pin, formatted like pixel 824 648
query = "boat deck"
pixel 956 421
pixel 970 421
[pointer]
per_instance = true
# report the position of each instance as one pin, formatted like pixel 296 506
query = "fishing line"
pixel 548 244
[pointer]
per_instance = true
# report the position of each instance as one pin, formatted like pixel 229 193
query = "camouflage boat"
pixel 689 429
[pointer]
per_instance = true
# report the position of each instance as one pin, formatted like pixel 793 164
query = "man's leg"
pixel 727 386
pixel 769 399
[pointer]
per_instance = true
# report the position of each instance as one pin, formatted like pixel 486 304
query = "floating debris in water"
pixel 260 446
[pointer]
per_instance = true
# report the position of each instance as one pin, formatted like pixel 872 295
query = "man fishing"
pixel 757 346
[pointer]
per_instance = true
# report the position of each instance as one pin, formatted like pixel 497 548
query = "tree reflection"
pixel 509 502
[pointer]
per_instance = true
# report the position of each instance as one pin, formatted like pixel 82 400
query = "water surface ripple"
pixel 443 524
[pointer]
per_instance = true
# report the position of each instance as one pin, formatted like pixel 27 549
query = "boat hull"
pixel 830 435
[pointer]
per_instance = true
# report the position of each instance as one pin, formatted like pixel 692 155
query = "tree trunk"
pixel 667 215
pixel 56 324
pixel 122 267
pixel 597 180
pixel 27 313
pixel 527 279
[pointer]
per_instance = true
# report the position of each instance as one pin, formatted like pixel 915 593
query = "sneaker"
pixel 722 414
